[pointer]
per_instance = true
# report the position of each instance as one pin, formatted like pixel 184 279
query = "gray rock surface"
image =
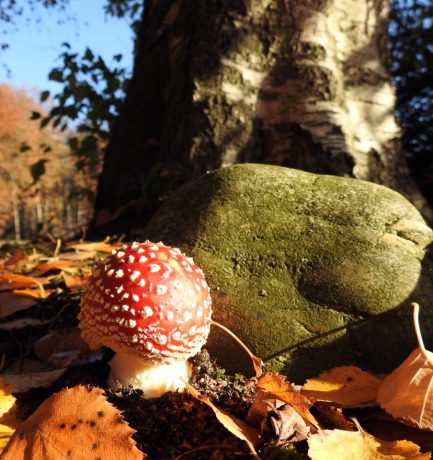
pixel 310 271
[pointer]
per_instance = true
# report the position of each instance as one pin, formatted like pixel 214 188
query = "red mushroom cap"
pixel 148 299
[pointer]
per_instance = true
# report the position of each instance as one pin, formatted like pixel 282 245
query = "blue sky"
pixel 34 47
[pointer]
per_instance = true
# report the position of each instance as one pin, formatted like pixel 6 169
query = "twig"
pixel 415 307
pixel 58 246
pixel 257 362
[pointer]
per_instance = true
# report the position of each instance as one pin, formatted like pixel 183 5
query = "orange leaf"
pixel 277 385
pixel 236 426
pixel 57 265
pixel 75 423
pixel 10 281
pixel 34 293
pixel 75 282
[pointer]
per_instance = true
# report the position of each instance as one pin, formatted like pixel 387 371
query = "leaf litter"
pixel 221 416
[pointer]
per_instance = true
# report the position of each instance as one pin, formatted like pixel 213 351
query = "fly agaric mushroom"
pixel 151 305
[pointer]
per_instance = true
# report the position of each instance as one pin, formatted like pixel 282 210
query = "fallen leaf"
pixel 34 293
pixel 76 423
pixel 29 373
pixel 11 303
pixel 348 386
pixel 288 425
pixel 55 265
pixel 10 281
pixel 22 323
pixel 77 256
pixel 237 427
pixel 332 415
pixel 8 420
pixel 277 385
pixel 6 399
pixel 15 259
pixel 359 445
pixel 75 282
pixel 61 347
pixel 96 247
pixel 407 392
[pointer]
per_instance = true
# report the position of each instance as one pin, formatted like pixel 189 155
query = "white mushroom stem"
pixel 152 377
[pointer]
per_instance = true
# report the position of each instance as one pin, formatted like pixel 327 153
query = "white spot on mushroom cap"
pixel 134 275
pixel 146 312
pixel 135 297
pixel 119 273
pixel 153 268
pixel 120 254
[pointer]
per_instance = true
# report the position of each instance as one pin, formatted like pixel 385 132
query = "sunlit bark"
pixel 303 84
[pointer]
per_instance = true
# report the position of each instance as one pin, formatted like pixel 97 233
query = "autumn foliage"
pixel 329 417
pixel 37 171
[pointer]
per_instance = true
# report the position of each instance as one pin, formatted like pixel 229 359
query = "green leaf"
pixel 56 75
pixel 35 115
pixel 38 169
pixel 45 122
pixel 44 96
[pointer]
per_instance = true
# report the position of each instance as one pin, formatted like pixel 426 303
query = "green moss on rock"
pixel 310 271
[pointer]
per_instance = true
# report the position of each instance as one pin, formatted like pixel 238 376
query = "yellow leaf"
pixel 277 385
pixel 359 445
pixel 348 386
pixel 407 392
pixel 8 420
pixel 6 399
pixel 75 423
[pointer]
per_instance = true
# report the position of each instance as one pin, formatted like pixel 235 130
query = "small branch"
pixel 257 362
pixel 415 307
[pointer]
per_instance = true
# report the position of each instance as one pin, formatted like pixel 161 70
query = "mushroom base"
pixel 153 378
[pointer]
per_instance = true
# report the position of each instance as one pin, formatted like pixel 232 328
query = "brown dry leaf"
pixel 61 347
pixel 359 445
pixel 407 392
pixel 286 423
pixel 277 385
pixel 10 281
pixel 348 386
pixel 23 382
pixel 76 423
pixel 55 265
pixel 77 256
pixel 237 427
pixel 11 303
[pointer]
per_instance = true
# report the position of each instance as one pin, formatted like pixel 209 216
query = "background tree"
pixel 300 84
pixel 412 67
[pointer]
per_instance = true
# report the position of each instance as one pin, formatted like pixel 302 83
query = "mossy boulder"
pixel 311 271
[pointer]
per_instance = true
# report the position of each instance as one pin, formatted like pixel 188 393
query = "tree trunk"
pixel 303 84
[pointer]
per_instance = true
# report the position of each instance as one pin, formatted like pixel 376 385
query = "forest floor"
pixel 41 354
